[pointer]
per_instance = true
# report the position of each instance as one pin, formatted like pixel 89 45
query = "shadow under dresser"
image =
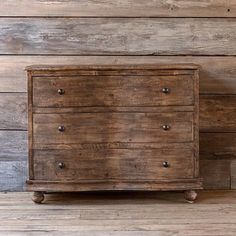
pixel 113 127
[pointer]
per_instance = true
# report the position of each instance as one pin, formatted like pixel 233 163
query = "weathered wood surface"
pixel 116 90
pixel 108 164
pixel 118 36
pixel 13 111
pixel 218 146
pixel 111 127
pixel 216 174
pixel 217 113
pixel 217 74
pixel 233 174
pixel 120 8
pixel 13 145
pixel 13 175
pixel 154 213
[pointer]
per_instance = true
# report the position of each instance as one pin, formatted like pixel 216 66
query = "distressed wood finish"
pixel 120 8
pixel 113 149
pixel 107 127
pixel 118 36
pixel 216 75
pixel 153 213
pixel 112 91
pixel 217 113
pixel 108 164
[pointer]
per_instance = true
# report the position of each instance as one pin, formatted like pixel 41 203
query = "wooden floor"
pixel 119 214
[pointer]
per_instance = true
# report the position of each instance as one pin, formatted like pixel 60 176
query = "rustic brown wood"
pixel 112 91
pixel 118 36
pixel 107 164
pixel 113 150
pixel 215 146
pixel 154 213
pixel 112 127
pixel 233 174
pixel 216 73
pixel 215 174
pixel 217 113
pixel 121 8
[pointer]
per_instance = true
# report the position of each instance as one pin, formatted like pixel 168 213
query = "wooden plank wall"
pixel 122 31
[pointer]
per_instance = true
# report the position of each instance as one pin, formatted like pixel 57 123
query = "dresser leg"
pixel 38 197
pixel 190 195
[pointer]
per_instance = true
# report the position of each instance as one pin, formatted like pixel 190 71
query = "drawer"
pixel 111 127
pixel 76 91
pixel 106 164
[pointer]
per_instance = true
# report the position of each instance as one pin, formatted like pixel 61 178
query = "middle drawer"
pixel 110 127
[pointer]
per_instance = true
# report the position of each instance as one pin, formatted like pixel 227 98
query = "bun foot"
pixel 190 196
pixel 38 197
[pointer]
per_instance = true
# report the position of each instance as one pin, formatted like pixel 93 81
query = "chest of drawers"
pixel 130 127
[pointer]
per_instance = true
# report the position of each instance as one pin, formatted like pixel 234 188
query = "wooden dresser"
pixel 126 127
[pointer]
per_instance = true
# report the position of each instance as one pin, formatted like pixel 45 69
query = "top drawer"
pixel 110 90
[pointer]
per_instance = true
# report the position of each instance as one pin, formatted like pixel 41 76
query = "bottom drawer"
pixel 120 164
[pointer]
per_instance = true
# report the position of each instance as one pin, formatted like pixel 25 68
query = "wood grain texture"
pixel 108 164
pixel 155 214
pixel 13 175
pixel 215 174
pixel 217 113
pixel 214 146
pixel 119 8
pixel 217 74
pixel 113 91
pixel 112 127
pixel 13 115
pixel 13 145
pixel 233 174
pixel 118 36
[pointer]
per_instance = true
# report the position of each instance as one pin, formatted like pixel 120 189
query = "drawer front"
pixel 68 128
pixel 107 164
pixel 113 91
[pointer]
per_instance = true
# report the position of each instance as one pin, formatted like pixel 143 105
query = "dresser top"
pixel 186 66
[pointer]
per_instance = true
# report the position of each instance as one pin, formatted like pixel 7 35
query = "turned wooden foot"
pixel 38 197
pixel 190 195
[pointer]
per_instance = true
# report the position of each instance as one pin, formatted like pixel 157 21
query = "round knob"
pixel 61 165
pixel 165 127
pixel 165 90
pixel 61 128
pixel 165 164
pixel 61 91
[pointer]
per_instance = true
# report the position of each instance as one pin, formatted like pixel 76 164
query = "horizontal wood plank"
pixel 13 111
pixel 214 146
pixel 13 145
pixel 13 175
pixel 118 36
pixel 217 74
pixel 123 8
pixel 217 113
pixel 215 174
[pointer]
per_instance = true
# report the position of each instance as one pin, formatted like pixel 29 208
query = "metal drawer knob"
pixel 61 128
pixel 61 165
pixel 165 164
pixel 166 127
pixel 165 90
pixel 61 91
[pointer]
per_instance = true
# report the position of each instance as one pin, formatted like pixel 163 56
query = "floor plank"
pixel 128 214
